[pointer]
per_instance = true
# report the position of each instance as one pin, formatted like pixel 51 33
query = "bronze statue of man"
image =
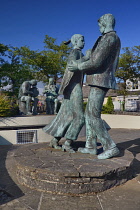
pixel 28 93
pixel 100 69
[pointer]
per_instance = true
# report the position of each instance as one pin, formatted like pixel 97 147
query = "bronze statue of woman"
pixel 70 118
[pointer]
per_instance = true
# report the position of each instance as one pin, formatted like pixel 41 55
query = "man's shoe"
pixel 66 148
pixel 54 144
pixel 109 153
pixel 35 113
pixel 87 150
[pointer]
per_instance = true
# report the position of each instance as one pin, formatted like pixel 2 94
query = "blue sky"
pixel 26 22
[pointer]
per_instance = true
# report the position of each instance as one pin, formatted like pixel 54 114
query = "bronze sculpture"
pixel 51 92
pixel 70 118
pixel 28 93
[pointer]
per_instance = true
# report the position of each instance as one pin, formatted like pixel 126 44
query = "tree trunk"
pixel 123 103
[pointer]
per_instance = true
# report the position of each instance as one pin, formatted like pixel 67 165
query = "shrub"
pixel 8 107
pixel 108 108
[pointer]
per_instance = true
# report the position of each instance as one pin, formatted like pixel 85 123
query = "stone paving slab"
pixel 126 196
pixel 123 197
pixel 57 202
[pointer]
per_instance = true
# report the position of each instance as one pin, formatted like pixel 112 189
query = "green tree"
pixel 128 68
pixel 3 49
pixel 12 71
pixel 20 64
pixel 46 63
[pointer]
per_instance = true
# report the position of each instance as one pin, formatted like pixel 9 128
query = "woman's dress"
pixel 70 118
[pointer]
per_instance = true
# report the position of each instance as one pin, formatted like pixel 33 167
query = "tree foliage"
pixel 129 64
pixel 46 63
pixel 20 64
pixel 12 71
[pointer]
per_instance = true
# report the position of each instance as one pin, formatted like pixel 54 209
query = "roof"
pixel 112 93
pixel 86 89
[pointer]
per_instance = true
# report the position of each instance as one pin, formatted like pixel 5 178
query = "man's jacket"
pixel 102 65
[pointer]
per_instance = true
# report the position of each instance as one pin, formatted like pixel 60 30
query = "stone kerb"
pixel 9 126
pixel 7 122
pixel 121 121
pixel 114 121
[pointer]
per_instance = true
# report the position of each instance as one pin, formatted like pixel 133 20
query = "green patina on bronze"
pixel 100 65
pixel 27 98
pixel 51 92
pixel 70 118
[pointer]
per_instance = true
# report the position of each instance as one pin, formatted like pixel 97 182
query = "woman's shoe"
pixel 54 143
pixel 66 148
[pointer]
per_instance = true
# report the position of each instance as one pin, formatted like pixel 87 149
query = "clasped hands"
pixel 72 66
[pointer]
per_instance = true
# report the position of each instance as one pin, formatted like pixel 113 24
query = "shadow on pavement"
pixel 8 189
pixel 134 147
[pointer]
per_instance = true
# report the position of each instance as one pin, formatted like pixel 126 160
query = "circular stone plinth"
pixel 46 169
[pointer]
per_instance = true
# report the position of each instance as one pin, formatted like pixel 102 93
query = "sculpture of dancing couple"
pixel 99 65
